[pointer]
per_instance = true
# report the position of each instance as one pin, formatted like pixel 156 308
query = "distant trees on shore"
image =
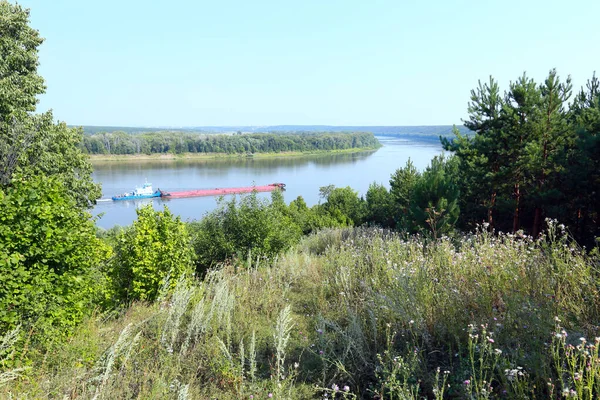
pixel 121 143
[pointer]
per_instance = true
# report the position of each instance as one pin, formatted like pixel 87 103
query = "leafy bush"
pixel 154 254
pixel 434 204
pixel 311 219
pixel 379 206
pixel 49 256
pixel 242 227
pixel 343 204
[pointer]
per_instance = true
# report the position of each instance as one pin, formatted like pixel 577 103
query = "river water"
pixel 303 175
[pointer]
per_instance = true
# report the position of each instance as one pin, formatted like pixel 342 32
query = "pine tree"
pixel 546 153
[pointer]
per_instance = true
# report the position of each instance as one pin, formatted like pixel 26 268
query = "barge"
pixel 146 192
pixel 223 191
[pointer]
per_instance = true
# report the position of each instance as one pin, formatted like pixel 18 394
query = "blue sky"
pixel 369 62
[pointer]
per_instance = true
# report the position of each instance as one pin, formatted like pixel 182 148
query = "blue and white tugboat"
pixel 144 192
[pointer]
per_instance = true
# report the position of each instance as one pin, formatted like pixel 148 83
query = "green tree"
pixel 32 145
pixel 310 219
pixel 343 204
pixel 546 153
pixel 238 228
pixel 511 165
pixel 153 254
pixel 402 184
pixel 49 257
pixel 434 205
pixel 19 80
pixel 581 177
pixel 480 155
pixel 379 206
pixel 520 124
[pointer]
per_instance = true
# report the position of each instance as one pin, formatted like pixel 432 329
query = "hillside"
pixel 347 314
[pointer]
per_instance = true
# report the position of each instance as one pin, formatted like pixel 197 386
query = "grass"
pixel 357 313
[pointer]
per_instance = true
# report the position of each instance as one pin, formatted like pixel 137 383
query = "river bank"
pixel 207 156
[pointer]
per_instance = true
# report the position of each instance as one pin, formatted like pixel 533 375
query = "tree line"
pixel 179 142
pixel 535 155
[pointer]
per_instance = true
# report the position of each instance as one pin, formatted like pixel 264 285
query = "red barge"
pixel 222 191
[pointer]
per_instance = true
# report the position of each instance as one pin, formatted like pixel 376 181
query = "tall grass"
pixel 352 313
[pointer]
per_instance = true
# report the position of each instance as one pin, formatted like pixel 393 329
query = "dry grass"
pixel 362 310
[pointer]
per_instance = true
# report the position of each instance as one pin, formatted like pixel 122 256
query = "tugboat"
pixel 144 192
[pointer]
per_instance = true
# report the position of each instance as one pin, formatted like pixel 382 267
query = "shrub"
pixel 48 257
pixel 153 254
pixel 248 226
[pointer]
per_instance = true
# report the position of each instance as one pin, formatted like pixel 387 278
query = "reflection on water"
pixel 225 163
pixel 303 176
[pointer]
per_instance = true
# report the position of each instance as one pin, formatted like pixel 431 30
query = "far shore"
pixel 211 156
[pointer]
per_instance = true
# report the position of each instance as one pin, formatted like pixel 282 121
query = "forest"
pixel 119 143
pixel 475 278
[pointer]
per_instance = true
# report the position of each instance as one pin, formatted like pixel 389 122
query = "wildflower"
pixel 490 339
pixel 320 331
pixel 296 365
pixel 251 396
pixel 411 322
pixel 346 388
pixel 321 352
pixel 557 319
pixel 270 395
pixel 335 387
pixel 467 382
pixel 497 351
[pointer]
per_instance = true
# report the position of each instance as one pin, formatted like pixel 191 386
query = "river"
pixel 303 175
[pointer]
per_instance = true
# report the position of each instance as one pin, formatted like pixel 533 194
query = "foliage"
pixel 402 185
pixel 248 227
pixel 49 258
pixel 151 256
pixel 434 204
pixel 54 151
pixel 533 156
pixel 310 324
pixel 31 145
pixel 379 206
pixel 34 145
pixel 343 204
pixel 181 142
pixel 312 219
pixel 19 80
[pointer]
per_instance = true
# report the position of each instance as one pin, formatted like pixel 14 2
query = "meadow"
pixel 348 313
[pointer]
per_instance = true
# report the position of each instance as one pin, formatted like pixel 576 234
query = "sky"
pixel 311 62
